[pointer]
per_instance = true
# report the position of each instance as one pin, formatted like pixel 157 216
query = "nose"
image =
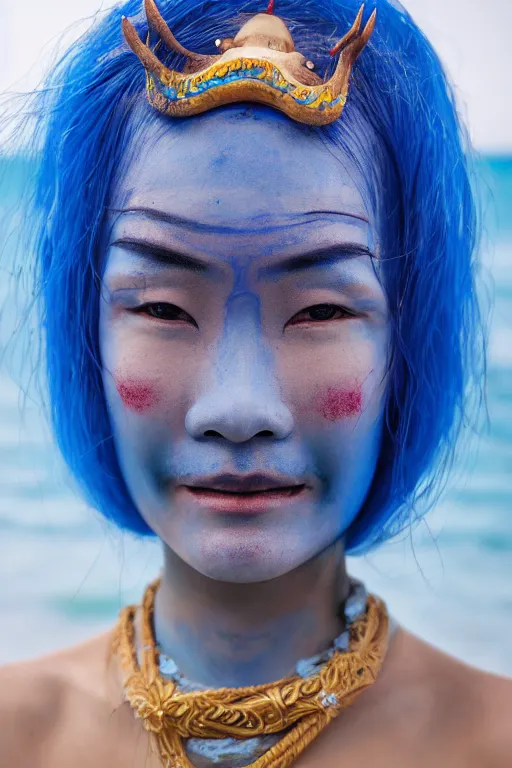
pixel 239 414
pixel 244 400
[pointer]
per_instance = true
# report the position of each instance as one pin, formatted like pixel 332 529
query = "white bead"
pixel 168 666
pixel 328 699
pixel 355 604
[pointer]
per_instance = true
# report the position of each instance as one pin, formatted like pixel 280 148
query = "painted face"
pixel 244 338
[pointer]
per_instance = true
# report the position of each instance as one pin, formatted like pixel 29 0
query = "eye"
pixel 160 310
pixel 321 313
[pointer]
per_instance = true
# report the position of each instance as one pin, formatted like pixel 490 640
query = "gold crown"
pixel 260 64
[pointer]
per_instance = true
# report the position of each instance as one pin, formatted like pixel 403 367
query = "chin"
pixel 242 558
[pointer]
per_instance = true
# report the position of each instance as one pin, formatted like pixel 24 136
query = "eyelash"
pixel 146 309
pixel 345 313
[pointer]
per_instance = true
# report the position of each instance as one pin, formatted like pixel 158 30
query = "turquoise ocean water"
pixel 64 573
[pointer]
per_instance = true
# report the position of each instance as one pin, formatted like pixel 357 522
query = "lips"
pixel 252 494
pixel 245 484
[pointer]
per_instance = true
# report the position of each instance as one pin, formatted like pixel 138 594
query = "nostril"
pixel 214 433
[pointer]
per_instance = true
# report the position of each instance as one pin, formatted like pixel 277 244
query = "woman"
pixel 260 322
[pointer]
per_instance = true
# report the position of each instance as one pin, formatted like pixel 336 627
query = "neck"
pixel 233 635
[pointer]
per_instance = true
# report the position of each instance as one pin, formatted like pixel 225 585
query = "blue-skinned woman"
pixel 255 238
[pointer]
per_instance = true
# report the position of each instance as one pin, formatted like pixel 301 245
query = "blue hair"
pixel 400 97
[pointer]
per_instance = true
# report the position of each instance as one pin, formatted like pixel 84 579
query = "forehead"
pixel 237 166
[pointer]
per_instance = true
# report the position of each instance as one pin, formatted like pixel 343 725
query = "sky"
pixel 472 37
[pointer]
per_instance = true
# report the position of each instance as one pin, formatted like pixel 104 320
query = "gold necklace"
pixel 304 705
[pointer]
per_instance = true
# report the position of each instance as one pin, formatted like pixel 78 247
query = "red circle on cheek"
pixel 339 403
pixel 136 395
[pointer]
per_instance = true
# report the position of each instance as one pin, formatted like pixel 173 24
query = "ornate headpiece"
pixel 259 64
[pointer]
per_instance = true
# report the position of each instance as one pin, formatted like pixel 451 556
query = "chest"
pixel 136 750
pixel 356 741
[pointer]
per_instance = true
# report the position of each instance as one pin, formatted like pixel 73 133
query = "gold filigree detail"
pixel 304 705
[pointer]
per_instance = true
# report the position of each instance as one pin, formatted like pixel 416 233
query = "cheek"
pixel 136 395
pixel 336 403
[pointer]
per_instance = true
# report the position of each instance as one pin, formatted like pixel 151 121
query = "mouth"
pixel 249 495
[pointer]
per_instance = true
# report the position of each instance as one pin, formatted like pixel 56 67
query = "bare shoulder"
pixel 425 709
pixel 42 699
pixel 471 710
pixel 493 735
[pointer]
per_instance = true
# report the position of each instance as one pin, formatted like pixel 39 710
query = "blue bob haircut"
pixel 428 219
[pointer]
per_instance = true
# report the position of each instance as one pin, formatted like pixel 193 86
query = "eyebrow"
pixel 161 255
pixel 317 258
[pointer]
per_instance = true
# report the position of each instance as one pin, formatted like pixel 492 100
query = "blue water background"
pixel 64 573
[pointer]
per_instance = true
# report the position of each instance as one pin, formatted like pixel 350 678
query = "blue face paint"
pixel 243 371
pixel 249 346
